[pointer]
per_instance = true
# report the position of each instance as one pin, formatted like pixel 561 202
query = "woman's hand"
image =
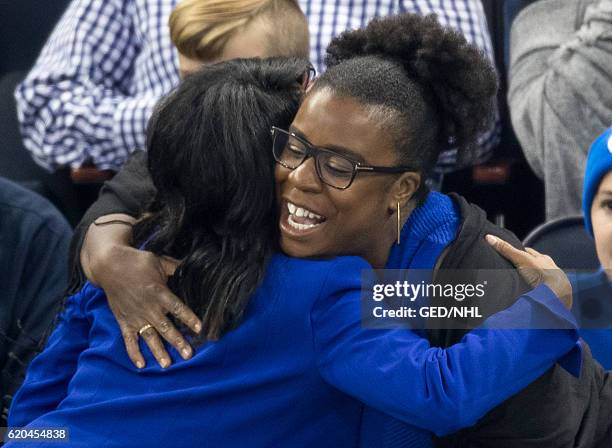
pixel 535 268
pixel 135 283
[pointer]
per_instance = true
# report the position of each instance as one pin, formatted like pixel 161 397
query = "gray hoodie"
pixel 560 91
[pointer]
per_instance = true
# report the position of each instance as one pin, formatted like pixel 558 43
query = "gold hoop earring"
pixel 399 225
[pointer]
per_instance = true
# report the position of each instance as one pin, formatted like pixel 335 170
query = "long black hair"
pixel 434 91
pixel 210 158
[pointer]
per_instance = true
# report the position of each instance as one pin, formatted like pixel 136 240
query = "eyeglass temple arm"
pixel 385 169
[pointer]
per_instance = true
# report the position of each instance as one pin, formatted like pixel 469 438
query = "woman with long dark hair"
pixel 214 210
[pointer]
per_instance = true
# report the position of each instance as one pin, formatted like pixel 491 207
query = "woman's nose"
pixel 305 176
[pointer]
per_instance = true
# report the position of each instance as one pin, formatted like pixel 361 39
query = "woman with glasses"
pixel 282 359
pixel 350 181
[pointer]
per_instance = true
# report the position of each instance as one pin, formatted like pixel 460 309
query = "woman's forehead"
pixel 606 184
pixel 329 121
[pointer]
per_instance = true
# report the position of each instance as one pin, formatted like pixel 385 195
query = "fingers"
pixel 535 253
pixel 168 331
pixel 544 261
pixel 179 310
pixel 156 346
pixel 516 256
pixel 130 338
pixel 151 337
pixel 168 265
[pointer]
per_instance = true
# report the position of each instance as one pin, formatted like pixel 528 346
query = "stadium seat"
pixel 566 241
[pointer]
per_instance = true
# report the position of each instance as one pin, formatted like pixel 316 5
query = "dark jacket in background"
pixel 34 240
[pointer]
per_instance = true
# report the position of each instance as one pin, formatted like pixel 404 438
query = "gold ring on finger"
pixel 144 328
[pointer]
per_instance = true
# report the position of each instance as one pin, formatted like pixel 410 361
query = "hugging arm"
pixel 134 280
pixel 441 390
pixel 123 198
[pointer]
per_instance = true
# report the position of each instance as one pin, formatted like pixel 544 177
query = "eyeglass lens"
pixel 333 169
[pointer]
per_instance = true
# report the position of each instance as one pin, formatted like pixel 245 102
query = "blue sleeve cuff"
pixel 541 310
pixel 543 295
pixel 538 309
pixel 572 360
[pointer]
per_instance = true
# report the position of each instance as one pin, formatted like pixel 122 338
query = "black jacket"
pixel 557 410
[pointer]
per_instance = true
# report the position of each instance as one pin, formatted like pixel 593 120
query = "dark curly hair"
pixel 432 89
pixel 209 156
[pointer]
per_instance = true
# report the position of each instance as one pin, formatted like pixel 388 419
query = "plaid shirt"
pixel 96 82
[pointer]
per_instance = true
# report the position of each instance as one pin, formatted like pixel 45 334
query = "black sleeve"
pixel 129 192
pixel 556 410
pixel 470 260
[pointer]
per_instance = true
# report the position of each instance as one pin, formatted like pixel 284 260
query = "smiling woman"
pixel 395 95
pixel 356 218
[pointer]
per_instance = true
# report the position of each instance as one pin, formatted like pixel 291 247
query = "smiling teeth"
pixel 302 212
pixel 299 226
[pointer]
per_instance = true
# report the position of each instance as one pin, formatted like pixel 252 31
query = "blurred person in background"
pixel 92 90
pixel 34 240
pixel 560 91
pixel 593 292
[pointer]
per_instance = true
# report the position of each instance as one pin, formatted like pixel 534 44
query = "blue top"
pixel 294 373
pixel 593 310
pixel 429 229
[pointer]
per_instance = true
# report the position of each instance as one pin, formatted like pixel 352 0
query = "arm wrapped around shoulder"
pixel 399 373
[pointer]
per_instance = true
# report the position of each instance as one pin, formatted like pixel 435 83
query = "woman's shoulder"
pixel 80 301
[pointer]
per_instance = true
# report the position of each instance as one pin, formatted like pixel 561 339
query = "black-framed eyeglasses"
pixel 335 170
pixel 309 76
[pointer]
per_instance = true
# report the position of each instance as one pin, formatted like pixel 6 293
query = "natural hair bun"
pixel 461 80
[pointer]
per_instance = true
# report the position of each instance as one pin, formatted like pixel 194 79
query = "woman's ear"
pixel 404 189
